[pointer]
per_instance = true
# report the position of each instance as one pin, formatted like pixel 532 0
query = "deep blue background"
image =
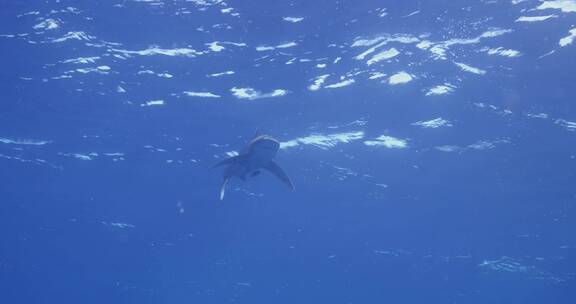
pixel 491 225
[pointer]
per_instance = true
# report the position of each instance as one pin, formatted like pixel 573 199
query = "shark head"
pixel 263 148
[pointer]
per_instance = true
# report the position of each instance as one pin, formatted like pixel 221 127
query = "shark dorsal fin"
pixel 257 133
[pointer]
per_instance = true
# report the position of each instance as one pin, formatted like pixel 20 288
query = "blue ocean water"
pixel 432 145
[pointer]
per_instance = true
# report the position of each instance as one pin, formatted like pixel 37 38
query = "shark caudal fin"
pixel 279 173
pixel 223 188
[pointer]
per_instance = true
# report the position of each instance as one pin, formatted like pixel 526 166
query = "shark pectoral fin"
pixel 228 161
pixel 276 170
pixel 223 188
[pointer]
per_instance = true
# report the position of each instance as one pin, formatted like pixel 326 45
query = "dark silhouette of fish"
pixel 258 155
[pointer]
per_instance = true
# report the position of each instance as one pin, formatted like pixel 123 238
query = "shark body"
pixel 258 155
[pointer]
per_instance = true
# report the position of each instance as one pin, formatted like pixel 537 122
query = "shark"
pixel 258 155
